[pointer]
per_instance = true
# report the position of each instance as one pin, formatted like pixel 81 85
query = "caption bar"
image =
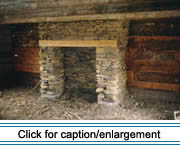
pixel 81 134
pixel 87 133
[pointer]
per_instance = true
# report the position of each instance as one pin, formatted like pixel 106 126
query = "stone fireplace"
pixel 92 60
pixel 110 40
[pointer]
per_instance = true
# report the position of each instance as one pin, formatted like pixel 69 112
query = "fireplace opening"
pixel 80 72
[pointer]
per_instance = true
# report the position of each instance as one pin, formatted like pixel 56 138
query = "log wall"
pixel 41 11
pixel 153 61
pixel 26 53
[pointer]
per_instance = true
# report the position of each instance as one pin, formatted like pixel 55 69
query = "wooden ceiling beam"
pixel 115 16
pixel 35 11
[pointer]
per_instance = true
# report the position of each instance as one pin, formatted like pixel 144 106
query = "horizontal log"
pixel 112 16
pixel 164 69
pixel 162 55
pixel 130 75
pixel 154 77
pixel 155 27
pixel 165 38
pixel 27 68
pixel 158 77
pixel 26 60
pixel 79 2
pixel 147 95
pixel 79 6
pixel 28 52
pixel 154 42
pixel 157 63
pixel 78 43
pixel 178 56
pixel 154 85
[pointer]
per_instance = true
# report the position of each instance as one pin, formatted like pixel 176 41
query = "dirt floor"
pixel 20 103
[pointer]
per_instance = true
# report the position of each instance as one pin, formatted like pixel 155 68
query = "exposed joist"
pixel 78 43
pixel 78 2
pixel 116 16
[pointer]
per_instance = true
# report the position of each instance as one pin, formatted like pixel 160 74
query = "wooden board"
pixel 154 85
pixel 26 60
pixel 154 42
pixel 178 56
pixel 28 52
pixel 152 96
pixel 78 43
pixel 34 11
pixel 155 27
pixel 115 16
pixel 167 67
pixel 157 77
pixel 27 68
pixel 153 62
pixel 144 54
pixel 164 69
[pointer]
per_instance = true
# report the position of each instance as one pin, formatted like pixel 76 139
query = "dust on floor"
pixel 20 103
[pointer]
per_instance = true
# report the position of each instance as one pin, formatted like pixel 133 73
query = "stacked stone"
pixel 111 69
pixel 110 62
pixel 83 30
pixel 123 31
pixel 52 72
pixel 107 72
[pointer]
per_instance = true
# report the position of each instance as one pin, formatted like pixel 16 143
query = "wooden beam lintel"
pixel 78 43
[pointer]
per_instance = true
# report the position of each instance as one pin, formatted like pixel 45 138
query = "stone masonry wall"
pixel 111 75
pixel 52 72
pixel 83 30
pixel 110 62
